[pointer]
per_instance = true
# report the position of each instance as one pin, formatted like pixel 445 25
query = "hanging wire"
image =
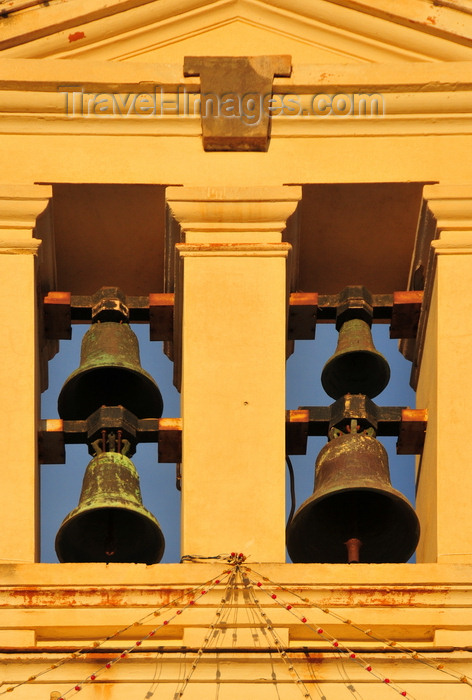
pixel 207 639
pixel 95 645
pixel 239 569
pixel 291 475
pixel 276 639
pixel 335 643
pixel 104 667
pixel 412 653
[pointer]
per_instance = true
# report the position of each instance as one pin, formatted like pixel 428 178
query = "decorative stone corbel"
pixel 235 102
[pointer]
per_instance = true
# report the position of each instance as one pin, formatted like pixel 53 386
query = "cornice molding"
pixel 75 97
pixel 20 205
pixel 125 29
pixel 231 215
pixel 451 206
pixel 103 595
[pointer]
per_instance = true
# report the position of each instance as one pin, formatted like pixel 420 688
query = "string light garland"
pixel 107 666
pixel 193 593
pixel 251 580
pixel 206 642
pixel 335 643
pixel 278 643
pixel 412 653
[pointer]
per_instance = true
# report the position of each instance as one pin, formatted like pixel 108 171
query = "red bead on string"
pixel 273 596
pixel 303 619
pixel 368 668
pixel 289 607
pixel 92 677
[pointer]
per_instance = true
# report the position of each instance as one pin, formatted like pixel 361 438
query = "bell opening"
pixel 110 535
pixel 356 372
pixel 109 386
pixel 385 524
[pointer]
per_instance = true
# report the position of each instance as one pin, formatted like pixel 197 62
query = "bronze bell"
pixel 110 374
pixel 110 524
pixel 354 513
pixel 356 367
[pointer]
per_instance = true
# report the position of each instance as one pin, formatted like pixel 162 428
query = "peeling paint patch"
pixel 76 36
pixel 431 19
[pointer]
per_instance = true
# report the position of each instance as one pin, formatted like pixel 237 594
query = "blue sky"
pixel 61 484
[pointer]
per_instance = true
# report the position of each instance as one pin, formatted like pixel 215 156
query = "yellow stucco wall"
pixel 230 349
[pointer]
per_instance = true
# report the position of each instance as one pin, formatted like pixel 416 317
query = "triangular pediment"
pixel 311 31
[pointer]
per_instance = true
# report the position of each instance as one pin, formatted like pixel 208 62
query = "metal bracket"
pixel 56 433
pixel 409 424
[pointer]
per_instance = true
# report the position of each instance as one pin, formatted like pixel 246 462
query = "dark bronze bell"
pixel 354 513
pixel 110 374
pixel 110 524
pixel 356 367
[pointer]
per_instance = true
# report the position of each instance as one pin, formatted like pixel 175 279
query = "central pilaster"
pixel 233 302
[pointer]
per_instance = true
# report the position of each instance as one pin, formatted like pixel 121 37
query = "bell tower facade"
pixel 233 175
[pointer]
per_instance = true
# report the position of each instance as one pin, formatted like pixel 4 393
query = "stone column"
pixel 19 370
pixel 231 301
pixel 445 382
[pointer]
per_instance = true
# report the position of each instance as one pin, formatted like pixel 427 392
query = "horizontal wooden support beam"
pixel 56 433
pixel 401 309
pixel 408 424
pixel 306 309
pixel 412 431
pixel 61 309
pixel 406 311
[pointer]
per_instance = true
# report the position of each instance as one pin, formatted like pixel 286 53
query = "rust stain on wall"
pixel 38 597
pixel 76 36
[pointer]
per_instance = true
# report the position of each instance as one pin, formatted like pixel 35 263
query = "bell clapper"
pixel 110 540
pixel 353 546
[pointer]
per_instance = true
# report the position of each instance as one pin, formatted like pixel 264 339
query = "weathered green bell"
pixel 354 513
pixel 356 367
pixel 110 374
pixel 110 524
